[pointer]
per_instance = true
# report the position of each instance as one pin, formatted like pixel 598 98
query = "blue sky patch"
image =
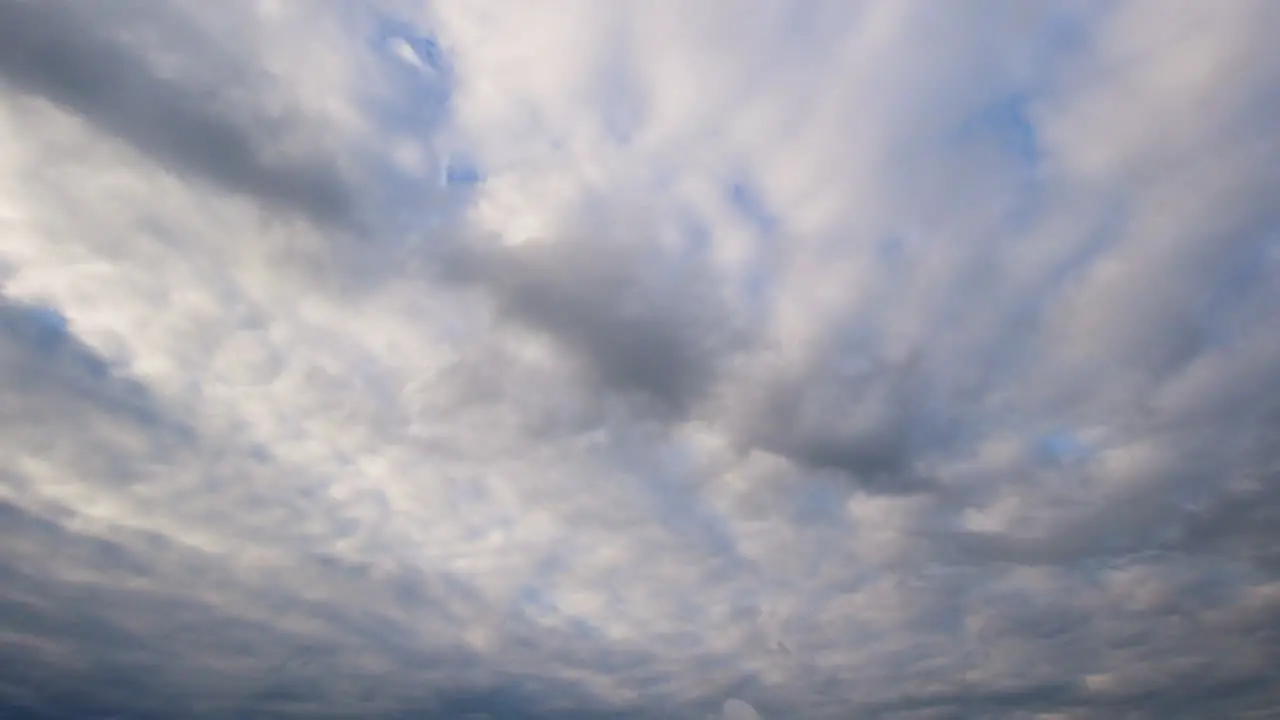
pixel 460 173
pixel 1065 446
pixel 749 203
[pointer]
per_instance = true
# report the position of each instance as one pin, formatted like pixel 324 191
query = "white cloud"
pixel 735 709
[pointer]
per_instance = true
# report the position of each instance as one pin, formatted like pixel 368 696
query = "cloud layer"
pixel 627 360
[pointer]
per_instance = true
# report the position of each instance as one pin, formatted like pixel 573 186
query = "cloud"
pixel 54 50
pixel 583 360
pixel 639 322
pixel 735 709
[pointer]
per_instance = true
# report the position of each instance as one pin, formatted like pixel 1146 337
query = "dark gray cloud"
pixel 64 385
pixel 64 52
pixel 870 424
pixel 642 323
pixel 656 328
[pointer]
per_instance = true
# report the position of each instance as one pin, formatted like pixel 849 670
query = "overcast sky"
pixel 652 360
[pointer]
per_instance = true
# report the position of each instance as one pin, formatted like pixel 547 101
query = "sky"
pixel 642 359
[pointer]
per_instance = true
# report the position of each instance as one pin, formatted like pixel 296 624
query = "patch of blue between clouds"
pixel 45 331
pixel 1005 125
pixel 420 98
pixel 1064 447
pixel 49 326
pixel 533 597
pixel 461 172
pixel 1010 118
pixel 388 30
pixel 746 200
pixel 45 349
pixel 417 106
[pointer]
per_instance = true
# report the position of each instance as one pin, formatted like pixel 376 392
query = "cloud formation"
pixel 608 360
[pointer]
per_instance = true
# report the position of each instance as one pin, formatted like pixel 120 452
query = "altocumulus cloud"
pixel 639 360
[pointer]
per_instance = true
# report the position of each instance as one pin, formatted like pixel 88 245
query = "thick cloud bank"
pixel 577 359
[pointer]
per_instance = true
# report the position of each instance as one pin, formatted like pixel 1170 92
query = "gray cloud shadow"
pixel 52 49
